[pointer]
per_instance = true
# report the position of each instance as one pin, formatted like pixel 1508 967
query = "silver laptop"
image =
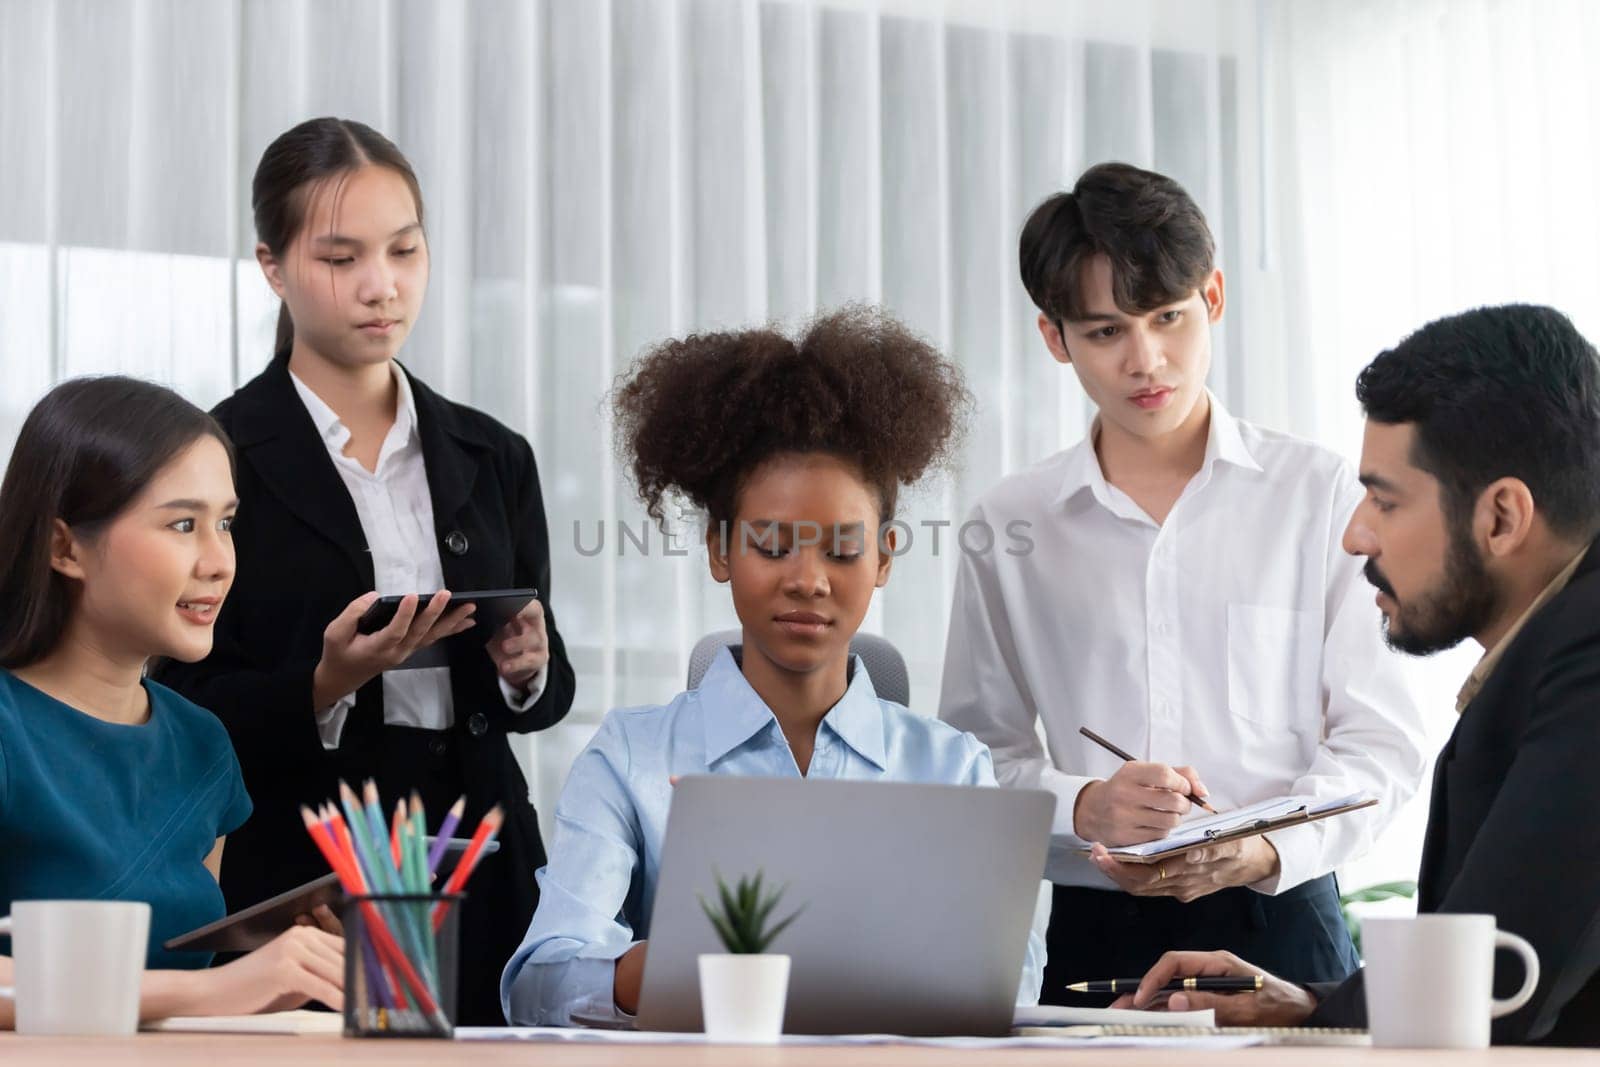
pixel 917 899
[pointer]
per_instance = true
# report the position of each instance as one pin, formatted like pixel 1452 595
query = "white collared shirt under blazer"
pixel 395 508
pixel 1237 637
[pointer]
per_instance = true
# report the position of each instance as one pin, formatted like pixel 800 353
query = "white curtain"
pixel 600 174
pixel 1440 154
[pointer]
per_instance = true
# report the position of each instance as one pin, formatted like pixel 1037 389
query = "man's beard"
pixel 1462 604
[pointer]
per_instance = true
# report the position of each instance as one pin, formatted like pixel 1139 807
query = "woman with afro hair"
pixel 795 450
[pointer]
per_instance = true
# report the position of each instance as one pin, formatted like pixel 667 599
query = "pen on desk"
pixel 1248 984
pixel 1115 751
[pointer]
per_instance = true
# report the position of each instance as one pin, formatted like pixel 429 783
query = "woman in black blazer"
pixel 341 455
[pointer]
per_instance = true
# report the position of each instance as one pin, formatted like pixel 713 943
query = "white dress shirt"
pixel 1237 637
pixel 396 513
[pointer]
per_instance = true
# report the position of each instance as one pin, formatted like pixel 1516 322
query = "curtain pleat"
pixel 600 174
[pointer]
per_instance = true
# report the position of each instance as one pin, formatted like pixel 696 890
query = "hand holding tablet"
pixel 252 927
pixel 493 608
pixel 490 611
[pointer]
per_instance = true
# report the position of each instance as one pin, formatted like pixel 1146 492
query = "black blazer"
pixel 302 558
pixel 1514 823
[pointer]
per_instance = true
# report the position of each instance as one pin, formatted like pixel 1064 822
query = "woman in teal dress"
pixel 114 514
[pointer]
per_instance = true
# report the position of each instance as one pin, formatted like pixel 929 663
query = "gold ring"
pixel 1161 869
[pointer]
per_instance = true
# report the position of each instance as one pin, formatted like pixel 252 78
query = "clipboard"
pixel 1250 828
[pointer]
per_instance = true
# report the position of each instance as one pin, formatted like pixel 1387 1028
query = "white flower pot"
pixel 742 997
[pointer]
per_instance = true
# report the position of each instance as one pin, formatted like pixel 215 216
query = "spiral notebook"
pixel 1275 814
pixel 1269 1035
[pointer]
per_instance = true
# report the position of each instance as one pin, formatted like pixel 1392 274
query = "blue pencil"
pixel 372 848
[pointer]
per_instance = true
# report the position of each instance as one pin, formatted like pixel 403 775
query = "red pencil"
pixel 330 851
pixel 342 859
pixel 350 878
pixel 381 935
pixel 480 839
pixel 394 831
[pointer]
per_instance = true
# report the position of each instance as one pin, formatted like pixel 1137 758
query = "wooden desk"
pixel 213 1050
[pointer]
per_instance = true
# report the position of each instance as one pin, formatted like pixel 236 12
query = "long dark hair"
pixel 85 452
pixel 295 165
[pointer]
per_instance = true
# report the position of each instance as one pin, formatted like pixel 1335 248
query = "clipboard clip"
pixel 1255 825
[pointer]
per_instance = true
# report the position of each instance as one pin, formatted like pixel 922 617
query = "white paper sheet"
pixel 1197 831
pixel 1056 1015
pixel 280 1022
pixel 555 1035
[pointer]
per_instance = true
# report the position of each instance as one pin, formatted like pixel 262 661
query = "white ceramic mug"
pixel 77 964
pixel 1430 979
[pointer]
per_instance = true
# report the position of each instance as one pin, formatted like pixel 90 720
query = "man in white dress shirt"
pixel 1183 594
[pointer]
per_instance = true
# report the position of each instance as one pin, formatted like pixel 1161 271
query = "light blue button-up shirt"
pixel 596 893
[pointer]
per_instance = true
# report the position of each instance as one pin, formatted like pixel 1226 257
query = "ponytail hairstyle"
pixel 84 453
pixel 299 163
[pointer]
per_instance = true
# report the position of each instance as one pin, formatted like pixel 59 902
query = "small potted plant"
pixel 1371 894
pixel 743 991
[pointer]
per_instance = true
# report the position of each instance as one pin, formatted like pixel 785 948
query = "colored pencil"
pixel 389 950
pixel 399 954
pixel 441 840
pixel 394 831
pixel 341 833
pixel 336 825
pixel 416 867
pixel 376 975
pixel 388 940
pixel 416 828
pixel 386 876
pixel 381 876
pixel 487 829
pixel 412 918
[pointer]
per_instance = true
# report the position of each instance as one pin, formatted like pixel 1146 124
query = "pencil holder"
pixel 400 954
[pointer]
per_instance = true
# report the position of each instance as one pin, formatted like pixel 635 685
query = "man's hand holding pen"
pixel 1141 802
pixel 1144 801
pixel 1276 1003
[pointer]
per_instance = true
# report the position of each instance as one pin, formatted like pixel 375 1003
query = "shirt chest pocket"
pixel 1274 667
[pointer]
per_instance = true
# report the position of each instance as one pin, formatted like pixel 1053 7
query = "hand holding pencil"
pixel 1144 802
pixel 1141 802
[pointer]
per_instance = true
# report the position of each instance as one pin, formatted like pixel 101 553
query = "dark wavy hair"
pixel 299 162
pixel 1509 391
pixel 700 414
pixel 84 453
pixel 1155 236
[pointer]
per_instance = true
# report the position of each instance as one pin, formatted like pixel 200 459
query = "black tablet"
pixel 253 927
pixel 496 607
pixel 247 930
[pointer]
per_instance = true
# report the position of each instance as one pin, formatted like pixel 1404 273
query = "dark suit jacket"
pixel 302 558
pixel 1514 825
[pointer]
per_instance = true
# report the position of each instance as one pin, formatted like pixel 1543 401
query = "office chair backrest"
pixel 885 666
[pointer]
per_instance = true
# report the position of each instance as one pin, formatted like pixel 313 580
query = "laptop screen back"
pixel 917 899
